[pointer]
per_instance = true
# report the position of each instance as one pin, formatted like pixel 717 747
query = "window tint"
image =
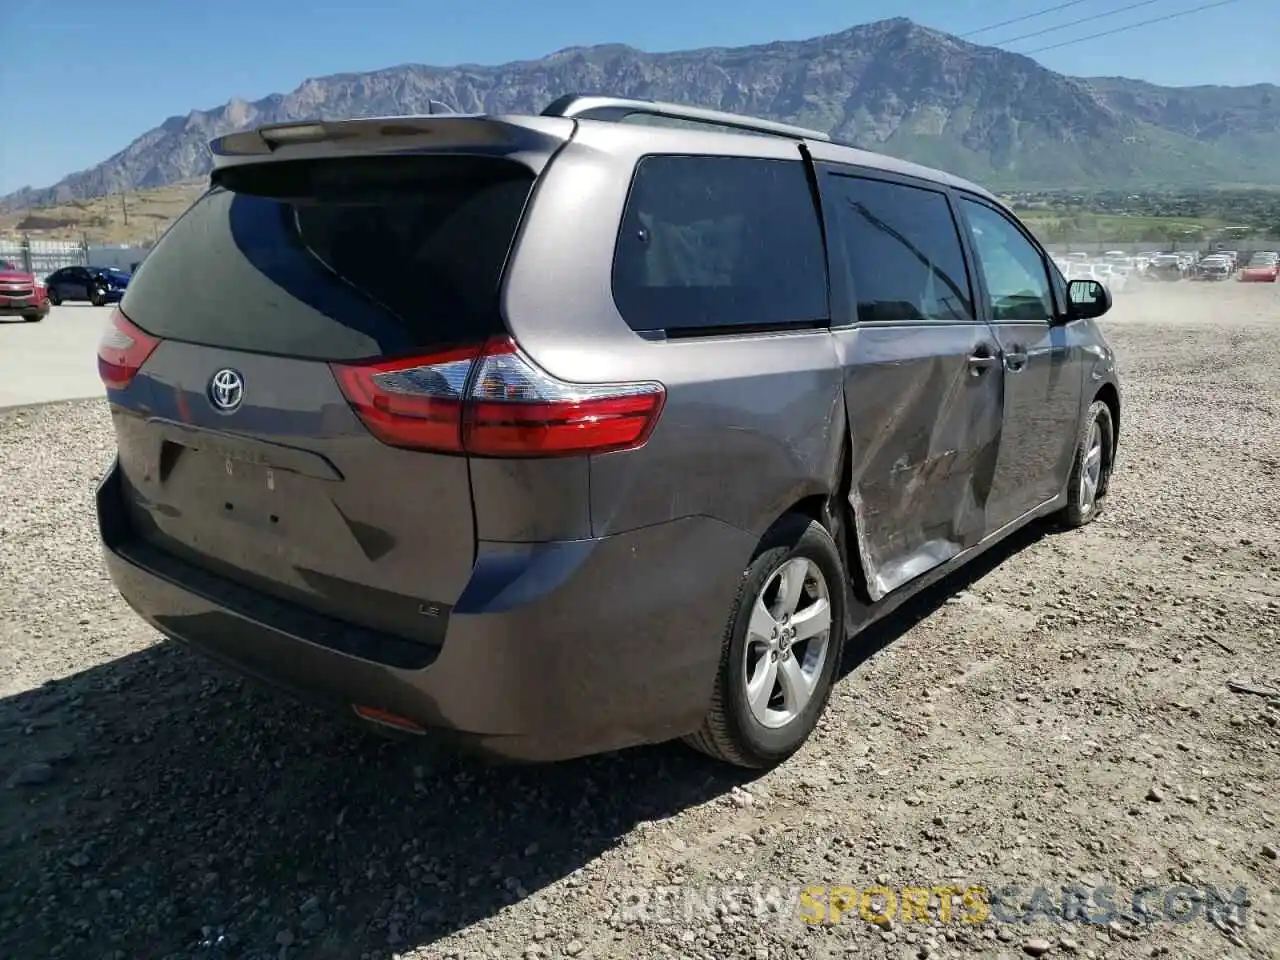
pixel 901 251
pixel 1015 273
pixel 337 259
pixel 719 242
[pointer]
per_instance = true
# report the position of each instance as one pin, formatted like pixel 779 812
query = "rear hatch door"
pixel 239 452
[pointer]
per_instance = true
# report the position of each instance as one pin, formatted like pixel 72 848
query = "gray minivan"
pixel 570 432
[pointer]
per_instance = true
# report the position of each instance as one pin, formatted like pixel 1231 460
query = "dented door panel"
pixel 924 427
pixel 1042 401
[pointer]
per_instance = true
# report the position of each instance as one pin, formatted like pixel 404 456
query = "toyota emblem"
pixel 226 390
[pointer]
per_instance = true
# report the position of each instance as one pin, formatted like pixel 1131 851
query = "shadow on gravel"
pixel 172 810
pixel 879 635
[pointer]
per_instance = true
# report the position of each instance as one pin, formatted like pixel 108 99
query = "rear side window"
pixel 337 259
pixel 901 250
pixel 719 242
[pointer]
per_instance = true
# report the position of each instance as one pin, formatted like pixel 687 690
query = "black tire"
pixel 1080 509
pixel 730 732
pixel 54 299
pixel 33 317
pixel 98 297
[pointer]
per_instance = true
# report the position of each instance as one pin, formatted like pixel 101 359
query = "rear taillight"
pixel 122 351
pixel 493 401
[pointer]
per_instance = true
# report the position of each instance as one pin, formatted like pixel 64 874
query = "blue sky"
pixel 93 76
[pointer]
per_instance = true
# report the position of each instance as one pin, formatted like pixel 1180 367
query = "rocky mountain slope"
pixel 892 86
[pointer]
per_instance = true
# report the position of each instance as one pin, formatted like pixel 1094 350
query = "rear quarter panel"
pixel 752 423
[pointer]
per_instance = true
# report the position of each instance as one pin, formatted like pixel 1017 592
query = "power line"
pixel 1029 16
pixel 1076 23
pixel 1132 26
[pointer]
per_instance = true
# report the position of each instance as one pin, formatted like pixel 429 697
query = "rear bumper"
pixel 9 309
pixel 553 651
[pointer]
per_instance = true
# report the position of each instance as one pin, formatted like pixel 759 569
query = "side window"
pixel 901 250
pixel 711 242
pixel 1015 273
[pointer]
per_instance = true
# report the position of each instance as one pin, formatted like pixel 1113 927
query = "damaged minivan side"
pixel 567 433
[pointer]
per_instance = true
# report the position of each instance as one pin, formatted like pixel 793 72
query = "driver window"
pixel 1017 281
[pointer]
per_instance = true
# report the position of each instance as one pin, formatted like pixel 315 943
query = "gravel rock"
pixel 31 774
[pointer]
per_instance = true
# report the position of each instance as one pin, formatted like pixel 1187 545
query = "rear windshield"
pixel 337 259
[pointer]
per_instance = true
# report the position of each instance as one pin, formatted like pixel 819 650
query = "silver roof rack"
pixel 584 107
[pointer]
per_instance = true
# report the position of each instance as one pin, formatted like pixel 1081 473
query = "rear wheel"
pixel 32 317
pixel 54 299
pixel 781 649
pixel 1091 468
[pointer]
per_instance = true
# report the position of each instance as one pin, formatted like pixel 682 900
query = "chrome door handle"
pixel 980 362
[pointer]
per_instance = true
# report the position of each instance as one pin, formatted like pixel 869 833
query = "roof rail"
pixel 585 107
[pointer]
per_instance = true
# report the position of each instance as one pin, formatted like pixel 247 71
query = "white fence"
pixel 42 257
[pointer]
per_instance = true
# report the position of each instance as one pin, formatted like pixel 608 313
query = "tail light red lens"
pixel 122 351
pixel 494 401
pixel 411 403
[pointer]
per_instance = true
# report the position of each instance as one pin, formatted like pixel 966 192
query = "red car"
pixel 21 294
pixel 1262 268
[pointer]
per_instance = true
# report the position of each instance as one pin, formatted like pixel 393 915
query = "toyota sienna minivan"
pixel 571 432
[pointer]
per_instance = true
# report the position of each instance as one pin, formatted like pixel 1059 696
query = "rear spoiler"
pixel 531 140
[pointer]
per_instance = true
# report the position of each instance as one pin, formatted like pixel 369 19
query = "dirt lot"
pixel 1060 716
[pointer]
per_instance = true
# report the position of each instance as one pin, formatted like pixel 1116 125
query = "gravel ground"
pixel 1058 716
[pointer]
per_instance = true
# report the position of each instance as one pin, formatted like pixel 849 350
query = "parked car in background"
pixel 1166 266
pixel 96 285
pixel 1107 273
pixel 21 294
pixel 1262 268
pixel 1216 266
pixel 1116 280
pixel 1122 274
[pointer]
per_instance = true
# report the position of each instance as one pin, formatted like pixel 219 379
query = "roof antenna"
pixel 436 106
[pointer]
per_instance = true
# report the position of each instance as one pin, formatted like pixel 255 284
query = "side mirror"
pixel 1088 298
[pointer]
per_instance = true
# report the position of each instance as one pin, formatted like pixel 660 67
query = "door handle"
pixel 1015 361
pixel 980 361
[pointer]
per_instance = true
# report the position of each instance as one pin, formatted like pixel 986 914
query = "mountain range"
pixel 892 86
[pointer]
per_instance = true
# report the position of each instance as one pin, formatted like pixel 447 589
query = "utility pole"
pixel 124 208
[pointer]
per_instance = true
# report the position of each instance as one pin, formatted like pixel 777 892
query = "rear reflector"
pixel 374 715
pixel 493 401
pixel 122 351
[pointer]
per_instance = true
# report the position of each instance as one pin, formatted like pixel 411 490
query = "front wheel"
pixel 1091 467
pixel 54 299
pixel 33 317
pixel 98 297
pixel 781 649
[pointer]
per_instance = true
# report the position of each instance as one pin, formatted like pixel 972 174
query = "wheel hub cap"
pixel 787 641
